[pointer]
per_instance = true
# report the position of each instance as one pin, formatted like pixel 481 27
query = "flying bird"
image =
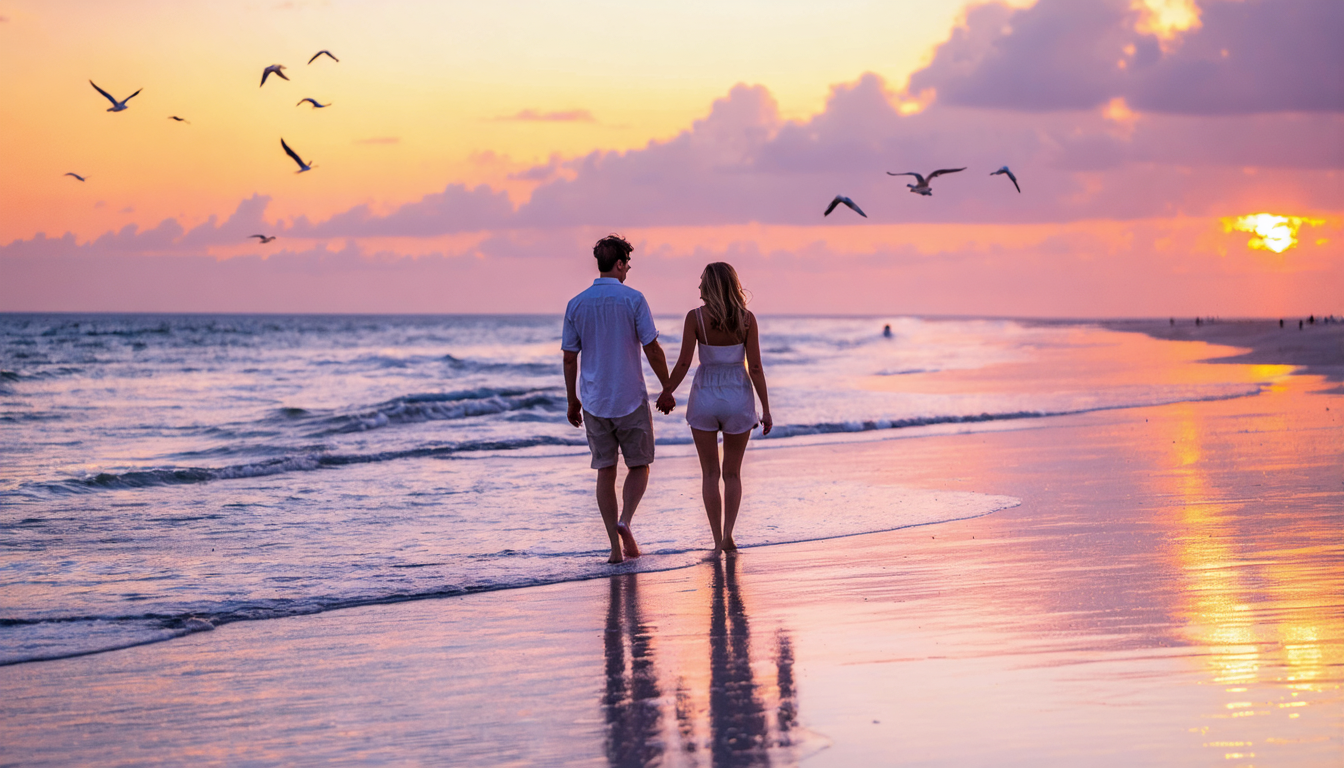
pixel 117 106
pixel 842 199
pixel 922 188
pixel 179 119
pixel 314 102
pixel 76 175
pixel 1011 177
pixel 320 53
pixel 274 69
pixel 264 239
pixel 302 165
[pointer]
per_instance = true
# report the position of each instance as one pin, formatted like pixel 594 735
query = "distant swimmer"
pixel 76 175
pixel 323 53
pixel 117 106
pixel 849 203
pixel 922 188
pixel 264 239
pixel 314 102
pixel 886 331
pixel 274 69
pixel 1011 177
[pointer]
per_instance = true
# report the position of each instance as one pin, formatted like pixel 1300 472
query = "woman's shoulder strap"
pixel 700 318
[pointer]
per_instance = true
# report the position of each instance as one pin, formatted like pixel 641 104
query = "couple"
pixel 605 328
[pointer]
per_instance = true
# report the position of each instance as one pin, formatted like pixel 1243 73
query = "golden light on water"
pixel 1272 232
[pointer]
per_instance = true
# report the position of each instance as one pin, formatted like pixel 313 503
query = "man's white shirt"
pixel 608 325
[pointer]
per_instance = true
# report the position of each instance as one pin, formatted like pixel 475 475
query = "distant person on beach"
pixel 721 393
pixel 605 328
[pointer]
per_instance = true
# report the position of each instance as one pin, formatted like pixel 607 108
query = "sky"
pixel 1176 157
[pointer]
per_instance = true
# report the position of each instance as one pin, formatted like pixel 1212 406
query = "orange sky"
pixel 702 130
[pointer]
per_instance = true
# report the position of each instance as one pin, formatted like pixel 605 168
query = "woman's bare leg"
pixel 707 446
pixel 734 446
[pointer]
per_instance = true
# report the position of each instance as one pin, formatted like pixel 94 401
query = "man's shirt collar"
pixel 606 281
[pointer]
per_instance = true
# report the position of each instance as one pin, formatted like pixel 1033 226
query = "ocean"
pixel 165 474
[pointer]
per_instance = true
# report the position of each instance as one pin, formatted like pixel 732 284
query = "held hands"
pixel 666 403
pixel 575 414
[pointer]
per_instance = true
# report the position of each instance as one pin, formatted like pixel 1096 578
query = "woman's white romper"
pixel 721 394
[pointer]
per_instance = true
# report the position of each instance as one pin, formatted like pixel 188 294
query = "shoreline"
pixel 1317 349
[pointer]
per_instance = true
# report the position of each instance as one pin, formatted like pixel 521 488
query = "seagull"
pixel 922 188
pixel 76 175
pixel 273 69
pixel 1011 177
pixel 842 199
pixel 117 106
pixel 319 53
pixel 179 119
pixel 314 102
pixel 264 239
pixel 302 165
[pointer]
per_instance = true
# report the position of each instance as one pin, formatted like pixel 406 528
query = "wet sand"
pixel 1169 592
pixel 1318 348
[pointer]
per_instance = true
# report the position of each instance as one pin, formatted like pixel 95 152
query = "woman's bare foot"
pixel 627 540
pixel 615 558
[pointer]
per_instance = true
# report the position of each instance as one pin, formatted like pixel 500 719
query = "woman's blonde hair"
pixel 725 301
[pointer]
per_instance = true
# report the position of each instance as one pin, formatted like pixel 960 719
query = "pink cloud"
pixel 565 116
pixel 455 209
pixel 1246 57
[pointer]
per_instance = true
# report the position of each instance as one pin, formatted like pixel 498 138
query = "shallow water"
pixel 167 474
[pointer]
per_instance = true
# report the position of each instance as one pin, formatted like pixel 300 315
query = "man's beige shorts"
pixel 633 433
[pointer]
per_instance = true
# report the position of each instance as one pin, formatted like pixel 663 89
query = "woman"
pixel 721 393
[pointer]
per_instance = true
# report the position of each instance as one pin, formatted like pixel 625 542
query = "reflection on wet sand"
pixel 632 702
pixel 736 716
pixel 730 718
pixel 1255 596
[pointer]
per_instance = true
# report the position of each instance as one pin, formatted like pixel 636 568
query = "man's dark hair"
pixel 611 249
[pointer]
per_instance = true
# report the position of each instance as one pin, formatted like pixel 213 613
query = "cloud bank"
pixel 1248 57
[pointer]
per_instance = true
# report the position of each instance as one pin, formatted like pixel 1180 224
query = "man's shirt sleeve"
pixel 644 327
pixel 569 336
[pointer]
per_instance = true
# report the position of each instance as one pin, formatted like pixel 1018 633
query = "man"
pixel 608 323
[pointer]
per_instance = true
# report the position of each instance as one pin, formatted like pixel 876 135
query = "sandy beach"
pixel 1168 592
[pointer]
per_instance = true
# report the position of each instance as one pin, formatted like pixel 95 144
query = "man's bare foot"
pixel 615 558
pixel 627 540
pixel 728 545
pixel 714 553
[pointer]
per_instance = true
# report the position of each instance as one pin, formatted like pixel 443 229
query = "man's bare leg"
pixel 636 482
pixel 606 504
